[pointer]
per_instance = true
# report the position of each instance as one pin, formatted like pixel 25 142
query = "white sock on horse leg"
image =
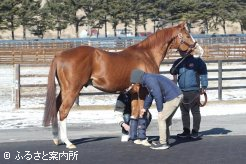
pixel 63 132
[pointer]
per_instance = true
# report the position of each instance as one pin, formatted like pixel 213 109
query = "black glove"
pixel 173 71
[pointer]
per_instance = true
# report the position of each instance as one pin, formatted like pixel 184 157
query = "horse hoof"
pixel 72 146
pixel 56 141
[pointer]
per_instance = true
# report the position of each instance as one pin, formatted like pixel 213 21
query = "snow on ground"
pixel 24 118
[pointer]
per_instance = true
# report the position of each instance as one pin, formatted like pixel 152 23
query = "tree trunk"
pixel 58 36
pixel 98 32
pixel 77 29
pixel 206 26
pixel 125 29
pixel 13 34
pixel 145 29
pixel 223 25
pixel 136 28
pixel 24 32
pixel 241 25
pixel 154 25
pixel 114 27
pixel 105 23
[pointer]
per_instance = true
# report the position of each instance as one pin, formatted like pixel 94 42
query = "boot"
pixel 185 134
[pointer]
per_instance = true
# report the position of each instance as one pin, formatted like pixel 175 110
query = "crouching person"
pixel 132 128
pixel 167 97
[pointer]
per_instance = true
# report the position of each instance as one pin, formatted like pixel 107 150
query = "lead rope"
pixel 175 67
pixel 205 99
pixel 195 98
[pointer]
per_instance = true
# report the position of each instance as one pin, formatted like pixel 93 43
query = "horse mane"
pixel 161 36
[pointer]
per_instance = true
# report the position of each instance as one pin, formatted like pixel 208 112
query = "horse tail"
pixel 50 110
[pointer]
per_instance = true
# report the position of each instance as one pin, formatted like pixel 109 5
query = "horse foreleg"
pixel 135 109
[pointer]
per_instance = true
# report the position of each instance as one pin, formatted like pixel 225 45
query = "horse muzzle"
pixel 197 51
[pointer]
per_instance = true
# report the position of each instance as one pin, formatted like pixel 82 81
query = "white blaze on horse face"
pixel 198 50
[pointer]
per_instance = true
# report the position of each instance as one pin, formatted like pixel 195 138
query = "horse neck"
pixel 158 44
pixel 160 53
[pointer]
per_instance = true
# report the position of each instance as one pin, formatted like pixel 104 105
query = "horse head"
pixel 184 42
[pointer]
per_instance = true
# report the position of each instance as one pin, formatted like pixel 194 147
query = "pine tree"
pixel 114 13
pixel 9 15
pixel 126 14
pixel 28 13
pixel 242 14
pixel 74 18
pixel 225 11
pixel 58 15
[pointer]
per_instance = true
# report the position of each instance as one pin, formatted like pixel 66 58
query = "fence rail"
pixel 41 52
pixel 219 79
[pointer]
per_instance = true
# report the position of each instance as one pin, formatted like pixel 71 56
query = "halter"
pixel 191 47
pixel 187 52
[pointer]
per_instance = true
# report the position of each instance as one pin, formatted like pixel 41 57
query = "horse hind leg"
pixel 55 132
pixel 63 134
pixel 65 107
pixel 55 129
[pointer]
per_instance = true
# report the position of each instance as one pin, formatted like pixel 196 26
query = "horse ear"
pixel 183 25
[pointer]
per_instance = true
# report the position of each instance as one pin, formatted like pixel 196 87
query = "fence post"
pixel 220 80
pixel 77 101
pixel 17 86
pixel 89 43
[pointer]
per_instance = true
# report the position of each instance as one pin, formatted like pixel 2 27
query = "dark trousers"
pixel 190 102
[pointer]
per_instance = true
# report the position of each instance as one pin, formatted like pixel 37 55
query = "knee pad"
pixel 133 129
pixel 142 128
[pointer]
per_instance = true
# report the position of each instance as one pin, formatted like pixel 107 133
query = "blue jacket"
pixel 160 88
pixel 192 73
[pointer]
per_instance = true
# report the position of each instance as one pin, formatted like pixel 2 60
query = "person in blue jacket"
pixel 163 91
pixel 191 75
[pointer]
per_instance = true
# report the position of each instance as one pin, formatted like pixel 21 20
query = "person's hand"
pixel 126 127
pixel 202 90
pixel 142 111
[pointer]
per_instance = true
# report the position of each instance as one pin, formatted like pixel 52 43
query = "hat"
pixel 136 76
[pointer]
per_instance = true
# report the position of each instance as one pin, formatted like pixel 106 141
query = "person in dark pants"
pixel 167 97
pixel 122 114
pixel 191 75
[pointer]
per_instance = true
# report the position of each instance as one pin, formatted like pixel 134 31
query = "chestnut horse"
pixel 106 71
